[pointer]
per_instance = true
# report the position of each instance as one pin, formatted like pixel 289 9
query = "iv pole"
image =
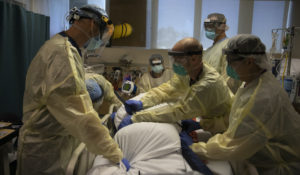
pixel 291 31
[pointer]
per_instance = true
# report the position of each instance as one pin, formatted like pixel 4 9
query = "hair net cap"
pixel 156 56
pixel 216 19
pixel 247 45
pixel 220 17
pixel 94 90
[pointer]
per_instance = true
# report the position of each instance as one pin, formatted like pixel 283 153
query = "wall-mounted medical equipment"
pixel 128 87
pixel 291 86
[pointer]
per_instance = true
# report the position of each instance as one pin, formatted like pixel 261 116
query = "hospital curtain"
pixel 21 35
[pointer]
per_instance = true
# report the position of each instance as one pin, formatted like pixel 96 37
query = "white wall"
pixel 139 56
pixel 296 22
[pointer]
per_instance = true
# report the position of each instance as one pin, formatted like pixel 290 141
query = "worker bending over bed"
pixel 198 88
pixel 264 128
pixel 57 110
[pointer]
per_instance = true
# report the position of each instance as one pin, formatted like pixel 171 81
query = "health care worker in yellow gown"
pixel 199 89
pixel 215 27
pixel 58 113
pixel 157 76
pixel 107 90
pixel 264 128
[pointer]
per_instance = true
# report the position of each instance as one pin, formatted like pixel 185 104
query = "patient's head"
pixel 95 92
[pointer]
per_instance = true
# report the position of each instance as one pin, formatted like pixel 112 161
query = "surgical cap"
pixel 94 90
pixel 155 57
pixel 220 17
pixel 219 22
pixel 247 45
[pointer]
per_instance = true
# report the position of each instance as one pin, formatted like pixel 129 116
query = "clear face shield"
pixel 95 45
pixel 234 57
pixel 98 38
pixel 180 59
pixel 210 27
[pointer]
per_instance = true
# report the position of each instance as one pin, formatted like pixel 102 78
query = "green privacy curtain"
pixel 22 33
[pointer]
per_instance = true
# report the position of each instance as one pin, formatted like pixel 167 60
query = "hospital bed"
pixel 156 153
pixel 82 160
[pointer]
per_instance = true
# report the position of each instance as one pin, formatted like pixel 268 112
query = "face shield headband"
pixel 179 57
pixel 182 54
pixel 237 52
pixel 235 55
pixel 100 18
pixel 156 62
pixel 98 42
pixel 211 25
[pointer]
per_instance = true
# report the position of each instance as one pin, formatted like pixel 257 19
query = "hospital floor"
pixel 13 161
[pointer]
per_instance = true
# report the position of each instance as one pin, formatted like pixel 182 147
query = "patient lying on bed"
pixel 151 148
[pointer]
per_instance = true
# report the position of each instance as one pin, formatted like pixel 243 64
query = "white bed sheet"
pixel 151 148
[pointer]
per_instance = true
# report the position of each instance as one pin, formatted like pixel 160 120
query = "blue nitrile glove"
pixel 132 106
pixel 126 121
pixel 190 125
pixel 193 160
pixel 185 139
pixel 126 163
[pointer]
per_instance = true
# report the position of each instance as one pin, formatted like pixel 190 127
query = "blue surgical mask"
pixel 210 34
pixel 157 68
pixel 232 73
pixel 93 44
pixel 178 69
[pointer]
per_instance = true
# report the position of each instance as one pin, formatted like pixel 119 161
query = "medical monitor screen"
pixel 126 87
